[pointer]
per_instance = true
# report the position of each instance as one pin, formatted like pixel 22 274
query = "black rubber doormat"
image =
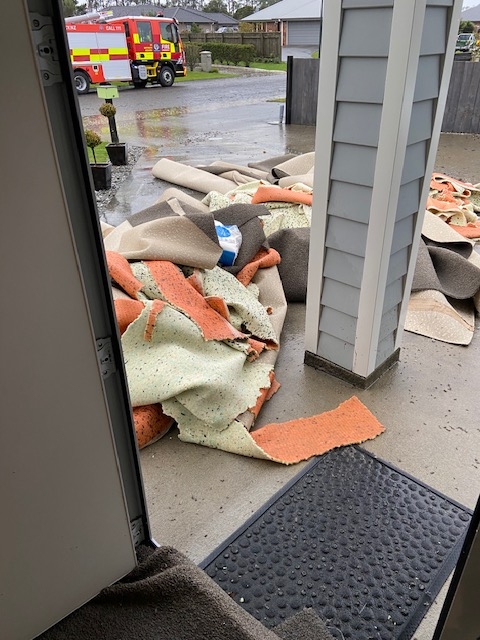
pixel 365 545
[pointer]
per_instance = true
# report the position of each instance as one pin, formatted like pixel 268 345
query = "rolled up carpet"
pixel 190 177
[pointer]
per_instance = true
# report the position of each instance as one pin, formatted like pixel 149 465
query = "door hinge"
pixel 46 48
pixel 105 357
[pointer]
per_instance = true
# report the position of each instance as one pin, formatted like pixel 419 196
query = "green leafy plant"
pixel 108 110
pixel 192 52
pixel 93 140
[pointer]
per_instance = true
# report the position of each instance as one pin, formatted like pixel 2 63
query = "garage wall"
pixel 303 32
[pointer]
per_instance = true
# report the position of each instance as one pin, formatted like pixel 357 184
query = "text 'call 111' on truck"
pixel 127 49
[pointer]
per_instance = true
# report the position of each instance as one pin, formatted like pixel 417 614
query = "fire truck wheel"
pixel 166 76
pixel 82 82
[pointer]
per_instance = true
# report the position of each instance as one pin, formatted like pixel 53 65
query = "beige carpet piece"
pixel 220 167
pixel 305 178
pixel 296 440
pixel 207 380
pixel 431 314
pixel 177 195
pixel 174 238
pixel 250 314
pixel 298 165
pixel 190 177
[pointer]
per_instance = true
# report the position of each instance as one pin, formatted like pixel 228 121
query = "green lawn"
pixel 101 154
pixel 202 75
pixel 270 66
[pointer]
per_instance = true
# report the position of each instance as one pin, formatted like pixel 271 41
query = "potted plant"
pixel 101 171
pixel 117 151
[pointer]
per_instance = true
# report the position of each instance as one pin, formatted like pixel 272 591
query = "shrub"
pixel 224 53
pixel 92 140
pixel 108 110
pixel 192 53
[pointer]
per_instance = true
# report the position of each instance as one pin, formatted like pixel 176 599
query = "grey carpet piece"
pixel 154 212
pixel 219 168
pixel 167 597
pixel 445 270
pixel 269 163
pixel 293 247
pixel 203 221
pixel 306 625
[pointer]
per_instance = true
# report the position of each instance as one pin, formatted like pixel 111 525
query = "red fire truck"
pixel 133 49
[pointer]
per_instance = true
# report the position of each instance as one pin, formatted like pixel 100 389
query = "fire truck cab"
pixel 155 49
pixel 134 49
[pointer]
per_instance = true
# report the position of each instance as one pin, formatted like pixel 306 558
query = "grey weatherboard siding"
pixel 363 53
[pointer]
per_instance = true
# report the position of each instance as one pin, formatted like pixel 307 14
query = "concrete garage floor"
pixel 428 403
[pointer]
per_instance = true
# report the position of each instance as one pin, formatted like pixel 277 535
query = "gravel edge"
pixel 119 174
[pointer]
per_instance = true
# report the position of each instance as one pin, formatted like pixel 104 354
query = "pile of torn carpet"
pixel 200 340
pixel 445 291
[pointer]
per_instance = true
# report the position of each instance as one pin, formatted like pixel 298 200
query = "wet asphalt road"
pixel 233 119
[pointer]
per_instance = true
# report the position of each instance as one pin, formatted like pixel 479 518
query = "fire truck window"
pixel 145 32
pixel 168 32
pixel 127 29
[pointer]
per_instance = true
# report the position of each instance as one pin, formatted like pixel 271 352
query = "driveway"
pixel 228 118
pixel 232 119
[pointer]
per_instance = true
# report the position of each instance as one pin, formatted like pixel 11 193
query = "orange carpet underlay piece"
pixel 127 311
pixel 121 272
pixel 433 204
pixel 181 295
pixel 277 194
pixel 151 424
pixel 263 259
pixel 296 440
pixel 470 230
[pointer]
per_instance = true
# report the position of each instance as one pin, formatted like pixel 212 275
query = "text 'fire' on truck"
pixel 127 49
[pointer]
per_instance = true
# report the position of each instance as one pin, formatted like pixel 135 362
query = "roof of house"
pixel 472 14
pixel 288 10
pixel 308 9
pixel 183 16
pixel 221 19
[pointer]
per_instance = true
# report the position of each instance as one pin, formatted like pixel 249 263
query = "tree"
pixel 215 6
pixel 466 26
pixel 244 11
pixel 69 8
pixel 263 4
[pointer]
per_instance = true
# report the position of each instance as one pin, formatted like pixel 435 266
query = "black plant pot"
pixel 102 175
pixel 118 153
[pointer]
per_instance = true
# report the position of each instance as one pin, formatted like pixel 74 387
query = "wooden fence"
pixel 302 91
pixel 462 109
pixel 267 45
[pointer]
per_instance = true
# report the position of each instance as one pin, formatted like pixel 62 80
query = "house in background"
pixel 223 22
pixel 299 22
pixel 473 15
pixel 208 22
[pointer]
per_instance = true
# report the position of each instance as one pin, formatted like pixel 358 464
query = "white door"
pixel 65 531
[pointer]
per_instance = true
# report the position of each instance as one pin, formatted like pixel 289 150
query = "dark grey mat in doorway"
pixel 167 597
pixel 363 544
